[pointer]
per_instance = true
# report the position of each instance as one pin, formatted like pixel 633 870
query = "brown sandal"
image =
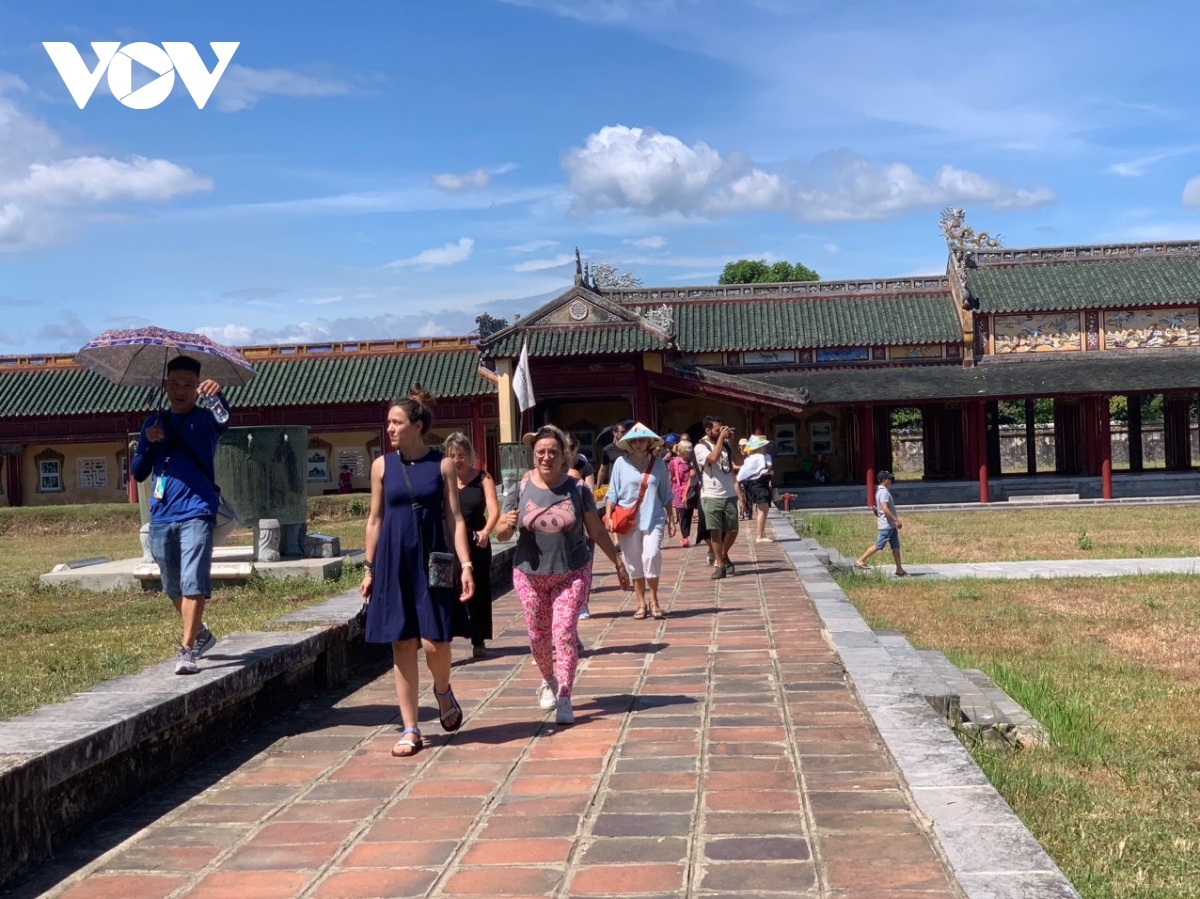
pixel 641 613
pixel 657 612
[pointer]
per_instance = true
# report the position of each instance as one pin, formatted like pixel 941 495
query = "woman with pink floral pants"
pixel 552 515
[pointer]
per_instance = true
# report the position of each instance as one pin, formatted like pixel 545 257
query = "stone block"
pixel 322 546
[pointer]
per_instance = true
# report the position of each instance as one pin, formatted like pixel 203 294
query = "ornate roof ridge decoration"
pixel 657 322
pixel 1089 253
pixel 960 236
pixel 856 287
pixel 794 400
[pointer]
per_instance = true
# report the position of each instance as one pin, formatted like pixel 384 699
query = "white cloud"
pixel 232 335
pixel 532 246
pixel 542 265
pixel 480 179
pixel 71 332
pixel 641 170
pixel 450 254
pixel 433 328
pixel 1191 194
pixel 654 242
pixel 829 248
pixel 48 194
pixel 241 87
pixel 96 179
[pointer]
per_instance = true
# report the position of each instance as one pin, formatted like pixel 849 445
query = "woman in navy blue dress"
pixel 414 507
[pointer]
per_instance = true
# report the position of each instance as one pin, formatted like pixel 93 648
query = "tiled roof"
pixel 569 340
pixel 785 323
pixel 1105 283
pixel 313 380
pixel 1141 371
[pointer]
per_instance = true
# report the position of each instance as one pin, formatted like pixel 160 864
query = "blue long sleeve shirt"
pixel 188 491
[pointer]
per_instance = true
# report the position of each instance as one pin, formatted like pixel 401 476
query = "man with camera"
pixel 716 455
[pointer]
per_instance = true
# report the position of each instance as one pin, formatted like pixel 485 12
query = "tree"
pixel 609 277
pixel 756 271
pixel 489 325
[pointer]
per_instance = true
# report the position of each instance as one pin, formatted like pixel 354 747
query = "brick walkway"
pixel 717 753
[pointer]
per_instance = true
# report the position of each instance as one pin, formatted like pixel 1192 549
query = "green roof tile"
pixel 1102 284
pixel 786 323
pixel 313 380
pixel 617 337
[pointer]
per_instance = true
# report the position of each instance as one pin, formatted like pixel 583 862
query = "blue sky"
pixel 379 170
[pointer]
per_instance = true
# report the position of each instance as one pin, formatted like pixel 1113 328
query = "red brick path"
pixel 717 753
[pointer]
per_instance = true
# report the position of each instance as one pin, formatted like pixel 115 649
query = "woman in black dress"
pixel 481 511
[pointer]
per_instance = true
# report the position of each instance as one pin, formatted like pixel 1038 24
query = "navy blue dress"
pixel 402 604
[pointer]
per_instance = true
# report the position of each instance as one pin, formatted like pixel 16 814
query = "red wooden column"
pixel 978 445
pixel 1105 447
pixel 866 445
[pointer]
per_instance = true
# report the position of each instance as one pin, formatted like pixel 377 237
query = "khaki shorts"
pixel 721 514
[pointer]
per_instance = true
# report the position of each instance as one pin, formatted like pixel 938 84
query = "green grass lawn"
pixel 1107 666
pixel 57 641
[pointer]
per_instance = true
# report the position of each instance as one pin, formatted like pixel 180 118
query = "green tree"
pixel 756 271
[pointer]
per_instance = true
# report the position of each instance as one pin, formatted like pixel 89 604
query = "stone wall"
pixel 908 456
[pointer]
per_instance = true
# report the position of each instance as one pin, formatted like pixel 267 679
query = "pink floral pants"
pixel 551 603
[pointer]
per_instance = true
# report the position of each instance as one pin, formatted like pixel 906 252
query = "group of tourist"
pixel 432 516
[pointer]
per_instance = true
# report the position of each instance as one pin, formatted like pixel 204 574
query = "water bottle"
pixel 214 405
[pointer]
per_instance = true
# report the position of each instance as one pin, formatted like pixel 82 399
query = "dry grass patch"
pixel 1108 666
pixel 1014 535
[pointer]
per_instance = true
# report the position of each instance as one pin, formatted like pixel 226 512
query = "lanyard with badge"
pixel 160 482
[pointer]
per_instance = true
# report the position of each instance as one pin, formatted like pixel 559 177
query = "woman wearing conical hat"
pixel 640 483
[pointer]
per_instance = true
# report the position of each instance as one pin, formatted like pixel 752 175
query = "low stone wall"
pixel 64 766
pixel 908 452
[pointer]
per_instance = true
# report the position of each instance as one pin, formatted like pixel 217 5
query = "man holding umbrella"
pixel 177 450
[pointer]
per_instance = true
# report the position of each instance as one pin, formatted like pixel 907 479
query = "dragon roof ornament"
pixel 963 237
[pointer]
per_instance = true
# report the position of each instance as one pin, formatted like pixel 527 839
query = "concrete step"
pixel 1023 723
pixel 924 679
pixel 975 706
pixel 1042 498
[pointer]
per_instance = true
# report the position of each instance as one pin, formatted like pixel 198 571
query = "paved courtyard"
pixel 717 753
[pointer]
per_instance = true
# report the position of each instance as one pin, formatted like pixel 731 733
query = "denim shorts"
pixel 183 551
pixel 888 537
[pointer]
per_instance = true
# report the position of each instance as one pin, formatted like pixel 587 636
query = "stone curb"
pixel 991 853
pixel 63 766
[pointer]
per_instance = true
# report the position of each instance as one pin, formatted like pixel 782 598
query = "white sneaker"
pixel 563 713
pixel 547 695
pixel 185 661
pixel 584 614
pixel 204 641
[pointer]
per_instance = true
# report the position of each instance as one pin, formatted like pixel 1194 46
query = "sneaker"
pixel 547 695
pixel 185 661
pixel 204 641
pixel 718 573
pixel 729 567
pixel 563 714
pixel 710 557
pixel 584 614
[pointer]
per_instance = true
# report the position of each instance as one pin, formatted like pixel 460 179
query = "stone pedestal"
pixel 267 538
pixel 321 546
pixel 144 535
pixel 291 542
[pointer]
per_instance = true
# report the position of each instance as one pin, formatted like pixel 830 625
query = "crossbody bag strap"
pixel 178 441
pixel 416 506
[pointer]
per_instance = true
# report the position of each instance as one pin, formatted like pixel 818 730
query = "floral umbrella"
pixel 138 357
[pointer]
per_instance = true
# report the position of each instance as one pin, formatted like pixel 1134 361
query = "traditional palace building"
pixel 817 366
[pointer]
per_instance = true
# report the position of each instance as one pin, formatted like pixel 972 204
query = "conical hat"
pixel 638 432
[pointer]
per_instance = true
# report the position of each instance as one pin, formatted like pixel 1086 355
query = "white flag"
pixel 522 384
